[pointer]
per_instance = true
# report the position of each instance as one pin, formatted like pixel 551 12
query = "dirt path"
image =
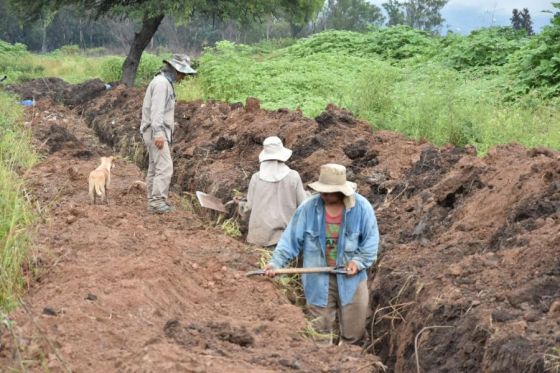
pixel 122 290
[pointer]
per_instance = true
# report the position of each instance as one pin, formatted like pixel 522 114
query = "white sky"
pixel 465 15
pixel 502 6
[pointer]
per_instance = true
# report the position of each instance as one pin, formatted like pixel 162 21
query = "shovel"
pixel 210 202
pixel 289 271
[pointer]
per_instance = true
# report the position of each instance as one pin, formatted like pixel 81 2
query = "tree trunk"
pixel 44 48
pixel 141 40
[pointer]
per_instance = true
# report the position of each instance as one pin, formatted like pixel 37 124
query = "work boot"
pixel 161 209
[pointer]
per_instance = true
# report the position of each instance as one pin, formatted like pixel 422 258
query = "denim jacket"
pixel 358 241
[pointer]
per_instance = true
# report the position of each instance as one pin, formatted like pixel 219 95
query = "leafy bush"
pixel 16 63
pixel 484 47
pixel 537 64
pixel 12 48
pixel 68 50
pixel 150 65
pixel 397 43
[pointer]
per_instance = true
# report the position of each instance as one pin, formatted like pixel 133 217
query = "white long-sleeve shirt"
pixel 271 206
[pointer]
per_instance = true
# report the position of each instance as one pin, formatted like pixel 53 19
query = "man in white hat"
pixel 337 227
pixel 274 194
pixel 158 122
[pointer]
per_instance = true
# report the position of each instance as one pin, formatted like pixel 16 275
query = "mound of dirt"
pixel 470 246
pixel 215 145
pixel 58 90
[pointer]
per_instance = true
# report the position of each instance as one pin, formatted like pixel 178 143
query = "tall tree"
pixel 516 21
pixel 353 15
pixel 419 14
pixel 151 13
pixel 526 21
pixel 395 13
pixel 298 13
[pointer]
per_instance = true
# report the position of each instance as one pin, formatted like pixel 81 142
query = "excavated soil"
pixel 469 267
pixel 58 90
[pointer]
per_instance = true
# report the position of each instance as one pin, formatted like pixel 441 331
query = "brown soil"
pixel 469 262
pixel 59 90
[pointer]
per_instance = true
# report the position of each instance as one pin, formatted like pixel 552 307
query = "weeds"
pixel 552 360
pixel 231 228
pixel 310 332
pixel 16 214
pixel 291 285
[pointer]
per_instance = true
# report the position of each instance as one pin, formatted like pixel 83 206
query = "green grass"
pixel 16 216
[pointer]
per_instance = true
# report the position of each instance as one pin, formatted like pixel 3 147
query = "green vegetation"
pixel 71 64
pixel 16 155
pixel 492 87
pixel 150 64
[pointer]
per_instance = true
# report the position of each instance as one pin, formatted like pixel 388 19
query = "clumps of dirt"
pixel 59 90
pixel 194 334
pixel 56 137
pixel 216 145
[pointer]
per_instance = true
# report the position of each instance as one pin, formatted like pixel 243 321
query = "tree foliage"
pixel 516 21
pixel 352 15
pixel 151 14
pixel 419 14
pixel 526 21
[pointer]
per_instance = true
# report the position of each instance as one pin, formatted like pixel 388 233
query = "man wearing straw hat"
pixel 274 194
pixel 337 227
pixel 158 123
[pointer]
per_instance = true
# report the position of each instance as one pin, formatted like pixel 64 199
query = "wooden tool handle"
pixel 287 271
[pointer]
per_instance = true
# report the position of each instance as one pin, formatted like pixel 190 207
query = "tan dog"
pixel 99 180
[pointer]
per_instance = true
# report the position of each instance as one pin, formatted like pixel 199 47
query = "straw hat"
pixel 332 179
pixel 181 63
pixel 273 149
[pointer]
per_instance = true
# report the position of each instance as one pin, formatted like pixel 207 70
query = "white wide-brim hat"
pixel 181 63
pixel 332 179
pixel 273 149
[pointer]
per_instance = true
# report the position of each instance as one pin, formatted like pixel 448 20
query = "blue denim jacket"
pixel 358 241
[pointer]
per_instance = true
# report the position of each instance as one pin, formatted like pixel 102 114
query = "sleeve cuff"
pixel 359 263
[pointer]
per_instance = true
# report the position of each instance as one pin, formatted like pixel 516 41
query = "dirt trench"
pixel 119 289
pixel 469 266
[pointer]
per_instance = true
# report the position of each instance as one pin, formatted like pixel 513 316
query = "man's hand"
pixel 351 268
pixel 269 270
pixel 159 141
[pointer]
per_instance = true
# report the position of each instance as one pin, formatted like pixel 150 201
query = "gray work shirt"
pixel 158 109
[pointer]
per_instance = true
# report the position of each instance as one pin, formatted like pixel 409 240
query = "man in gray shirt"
pixel 274 194
pixel 158 122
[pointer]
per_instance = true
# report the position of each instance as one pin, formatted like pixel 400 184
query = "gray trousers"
pixel 160 170
pixel 351 317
